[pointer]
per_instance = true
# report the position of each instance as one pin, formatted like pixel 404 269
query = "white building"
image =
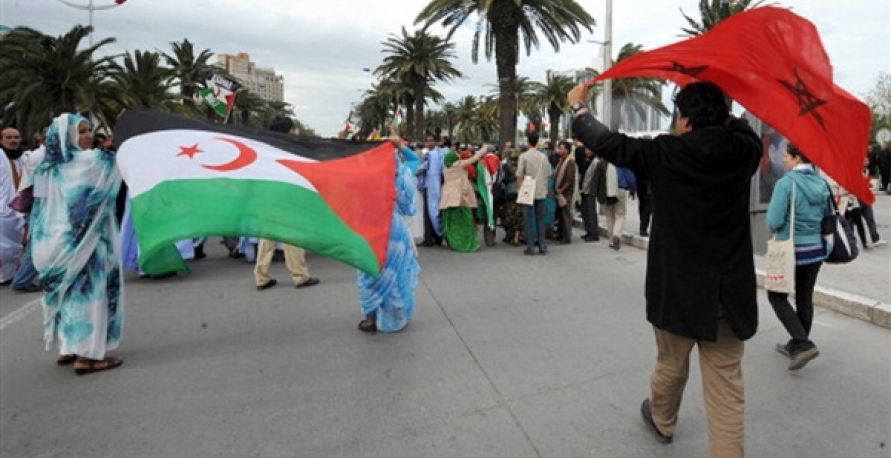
pixel 263 82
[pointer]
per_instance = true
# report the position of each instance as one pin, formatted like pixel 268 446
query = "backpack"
pixel 627 180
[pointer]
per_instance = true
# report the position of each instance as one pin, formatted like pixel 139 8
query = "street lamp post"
pixel 90 7
pixel 607 63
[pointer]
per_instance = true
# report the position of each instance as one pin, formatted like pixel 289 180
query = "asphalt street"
pixel 508 356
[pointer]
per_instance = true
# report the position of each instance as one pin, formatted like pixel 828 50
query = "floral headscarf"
pixel 61 138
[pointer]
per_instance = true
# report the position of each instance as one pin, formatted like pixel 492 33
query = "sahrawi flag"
pixel 220 94
pixel 188 179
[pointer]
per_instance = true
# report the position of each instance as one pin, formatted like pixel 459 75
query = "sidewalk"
pixel 861 289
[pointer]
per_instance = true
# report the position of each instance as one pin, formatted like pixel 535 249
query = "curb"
pixel 853 305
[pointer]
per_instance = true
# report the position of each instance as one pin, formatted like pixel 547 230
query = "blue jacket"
pixel 811 204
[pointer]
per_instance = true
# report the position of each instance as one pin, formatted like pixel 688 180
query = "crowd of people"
pixel 64 202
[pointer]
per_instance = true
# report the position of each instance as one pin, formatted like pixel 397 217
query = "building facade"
pixel 263 82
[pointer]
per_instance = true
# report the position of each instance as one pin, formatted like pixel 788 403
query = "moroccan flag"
pixel 189 178
pixel 773 63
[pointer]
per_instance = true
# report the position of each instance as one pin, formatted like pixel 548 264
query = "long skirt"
pixel 457 223
pixel 390 296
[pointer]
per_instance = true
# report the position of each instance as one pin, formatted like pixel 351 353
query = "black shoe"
pixel 644 233
pixel 368 325
pixel 591 238
pixel 615 243
pixel 800 358
pixel 311 281
pixel 267 285
pixel 529 252
pixel 783 349
pixel 647 415
pixel 543 251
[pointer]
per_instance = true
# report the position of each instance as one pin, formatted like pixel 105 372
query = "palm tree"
pixel 465 119
pixel 44 76
pixel 143 82
pixel 636 94
pixel 451 110
pixel 552 96
pixel 525 92
pixel 190 72
pixel 248 107
pixel 712 13
pixel 504 23
pixel 486 121
pixel 418 59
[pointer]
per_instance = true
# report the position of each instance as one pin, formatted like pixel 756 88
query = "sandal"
pixel 368 325
pixel 64 360
pixel 94 365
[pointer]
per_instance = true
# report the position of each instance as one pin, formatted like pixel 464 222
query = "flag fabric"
pixel 189 178
pixel 399 115
pixel 773 63
pixel 486 172
pixel 220 94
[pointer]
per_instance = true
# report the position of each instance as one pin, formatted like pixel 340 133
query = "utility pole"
pixel 607 115
pixel 90 7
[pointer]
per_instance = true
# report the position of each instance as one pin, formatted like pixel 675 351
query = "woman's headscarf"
pixel 450 158
pixel 61 138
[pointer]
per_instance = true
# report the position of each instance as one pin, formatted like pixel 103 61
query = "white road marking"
pixel 17 316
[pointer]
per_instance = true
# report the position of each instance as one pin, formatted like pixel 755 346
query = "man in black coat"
pixel 700 286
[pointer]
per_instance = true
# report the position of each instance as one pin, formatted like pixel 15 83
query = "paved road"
pixel 509 356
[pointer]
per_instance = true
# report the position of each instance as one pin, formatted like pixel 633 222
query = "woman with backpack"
pixel 803 193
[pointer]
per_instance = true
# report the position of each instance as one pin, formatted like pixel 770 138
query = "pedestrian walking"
pixel 700 286
pixel 811 204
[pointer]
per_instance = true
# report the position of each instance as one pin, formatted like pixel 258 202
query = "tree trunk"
pixel 554 114
pixel 418 133
pixel 408 118
pixel 506 27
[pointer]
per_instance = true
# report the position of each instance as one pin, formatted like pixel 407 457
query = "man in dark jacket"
pixel 700 286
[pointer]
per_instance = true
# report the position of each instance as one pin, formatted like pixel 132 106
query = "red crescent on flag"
pixel 246 156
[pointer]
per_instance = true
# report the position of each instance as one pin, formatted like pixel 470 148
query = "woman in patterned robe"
pixel 76 246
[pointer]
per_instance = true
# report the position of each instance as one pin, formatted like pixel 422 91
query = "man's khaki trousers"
pixel 295 260
pixel 722 383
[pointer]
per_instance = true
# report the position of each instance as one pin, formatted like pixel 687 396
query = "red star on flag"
pixel 190 151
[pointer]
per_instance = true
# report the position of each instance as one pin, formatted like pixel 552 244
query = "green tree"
pixel 44 76
pixel 552 96
pixel 190 72
pixel 636 94
pixel 418 59
pixel 141 81
pixel 879 101
pixel 502 24
pixel 713 12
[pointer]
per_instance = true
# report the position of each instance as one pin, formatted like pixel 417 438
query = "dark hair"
pixel 281 124
pixel 566 145
pixel 703 103
pixel 447 142
pixel 793 151
pixel 532 138
pixel 99 139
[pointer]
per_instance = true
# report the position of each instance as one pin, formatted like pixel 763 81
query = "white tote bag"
pixel 780 275
pixel 526 194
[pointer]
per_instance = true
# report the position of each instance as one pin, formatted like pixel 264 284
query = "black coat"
pixel 700 265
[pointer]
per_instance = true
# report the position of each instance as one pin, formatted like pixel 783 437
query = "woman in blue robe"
pixel 388 300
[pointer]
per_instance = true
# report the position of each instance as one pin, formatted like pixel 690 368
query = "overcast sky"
pixel 321 47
